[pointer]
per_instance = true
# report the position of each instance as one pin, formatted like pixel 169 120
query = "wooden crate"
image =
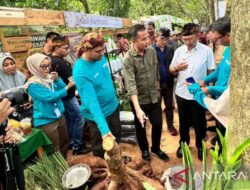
pixel 11 17
pixel 121 31
pixel 126 22
pixel 19 58
pixel 107 33
pixel 42 17
pixel 16 44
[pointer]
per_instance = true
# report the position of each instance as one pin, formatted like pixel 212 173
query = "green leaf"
pixel 214 155
pixel 224 147
pixel 238 184
pixel 190 164
pixel 219 185
pixel 204 163
pixel 46 172
pixel 239 150
pixel 185 163
pixel 233 167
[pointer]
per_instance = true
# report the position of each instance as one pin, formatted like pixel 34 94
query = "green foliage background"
pixel 190 9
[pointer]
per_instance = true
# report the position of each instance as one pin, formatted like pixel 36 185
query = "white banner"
pixel 75 20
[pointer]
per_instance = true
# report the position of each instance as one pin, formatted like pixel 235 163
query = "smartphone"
pixel 190 80
pixel 53 75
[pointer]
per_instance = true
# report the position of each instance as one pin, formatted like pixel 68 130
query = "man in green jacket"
pixel 141 73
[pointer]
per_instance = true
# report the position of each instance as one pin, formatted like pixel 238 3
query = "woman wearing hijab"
pixel 10 77
pixel 47 91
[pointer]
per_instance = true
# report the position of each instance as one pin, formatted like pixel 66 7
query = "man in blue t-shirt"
pixel 99 106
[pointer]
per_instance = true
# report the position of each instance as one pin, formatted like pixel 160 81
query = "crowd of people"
pixel 68 93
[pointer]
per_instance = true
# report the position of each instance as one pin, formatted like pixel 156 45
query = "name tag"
pixel 58 113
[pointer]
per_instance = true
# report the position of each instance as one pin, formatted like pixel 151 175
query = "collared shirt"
pixel 141 74
pixel 199 60
pixel 163 66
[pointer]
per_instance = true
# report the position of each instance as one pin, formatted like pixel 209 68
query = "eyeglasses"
pixel 2 54
pixel 44 67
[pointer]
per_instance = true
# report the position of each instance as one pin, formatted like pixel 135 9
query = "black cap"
pixel 190 28
pixel 165 32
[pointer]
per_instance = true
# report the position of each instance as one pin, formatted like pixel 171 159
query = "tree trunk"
pixel 211 11
pixel 228 7
pixel 217 8
pixel 122 177
pixel 86 6
pixel 239 129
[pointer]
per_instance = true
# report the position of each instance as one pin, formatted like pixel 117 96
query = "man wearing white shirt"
pixel 196 60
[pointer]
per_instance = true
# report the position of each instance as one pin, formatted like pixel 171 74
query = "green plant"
pixel 188 163
pixel 223 166
pixel 46 173
pixel 122 97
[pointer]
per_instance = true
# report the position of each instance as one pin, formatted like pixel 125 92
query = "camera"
pixel 17 96
pixel 13 177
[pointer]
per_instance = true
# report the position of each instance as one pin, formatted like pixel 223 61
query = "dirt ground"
pixel 169 144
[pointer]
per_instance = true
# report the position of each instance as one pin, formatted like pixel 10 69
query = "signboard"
pixel 38 41
pixel 12 17
pixel 44 17
pixel 74 20
pixel 16 44
pixel 19 58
